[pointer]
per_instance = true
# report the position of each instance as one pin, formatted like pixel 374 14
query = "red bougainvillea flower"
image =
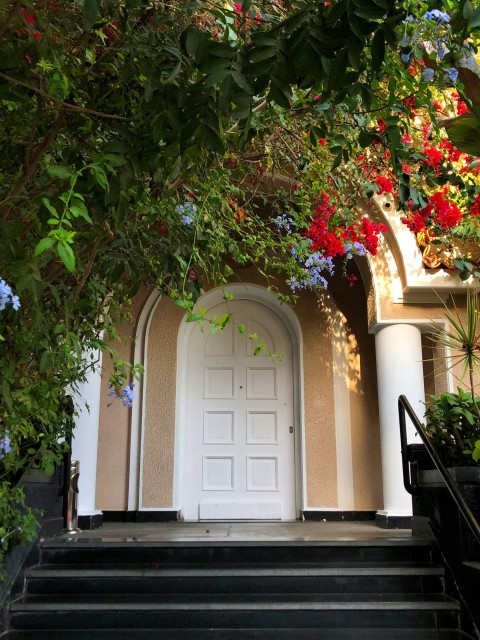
pixel 475 208
pixel 27 16
pixel 351 279
pixel 370 232
pixel 384 185
pixel 414 221
pixel 406 139
pixel 240 215
pixel 382 125
pixel 433 156
pixel 322 141
pixel 460 105
pixel 453 154
pixel 442 211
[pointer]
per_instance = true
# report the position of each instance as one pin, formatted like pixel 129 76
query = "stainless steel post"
pixel 72 502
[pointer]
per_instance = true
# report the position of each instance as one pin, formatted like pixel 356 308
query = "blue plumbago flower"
pixel 451 74
pixel 407 19
pixel 427 75
pixel 126 395
pixel 7 296
pixel 468 62
pixel 405 41
pixel 440 50
pixel 312 274
pixel 405 57
pixel 283 222
pixel 5 445
pixel 440 17
pixel 190 207
pixel 188 212
pixel 355 249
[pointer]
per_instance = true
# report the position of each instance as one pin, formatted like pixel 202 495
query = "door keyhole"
pixel 290 429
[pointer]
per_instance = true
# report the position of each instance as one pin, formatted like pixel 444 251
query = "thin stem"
pixel 61 103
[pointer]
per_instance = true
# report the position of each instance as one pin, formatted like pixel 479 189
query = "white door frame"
pixel 254 293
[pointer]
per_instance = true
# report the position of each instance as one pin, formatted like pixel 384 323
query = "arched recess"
pixel 342 424
pixel 253 293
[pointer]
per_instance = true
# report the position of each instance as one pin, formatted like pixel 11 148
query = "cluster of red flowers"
pixel 331 244
pixel 384 185
pixel 29 22
pixel 475 208
pixel 439 211
pixel 238 8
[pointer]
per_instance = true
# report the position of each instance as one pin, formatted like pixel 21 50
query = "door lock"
pixel 290 429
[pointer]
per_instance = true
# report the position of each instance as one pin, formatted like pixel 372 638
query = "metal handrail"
pixel 404 407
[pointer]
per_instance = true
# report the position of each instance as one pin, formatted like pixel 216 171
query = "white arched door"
pixel 239 460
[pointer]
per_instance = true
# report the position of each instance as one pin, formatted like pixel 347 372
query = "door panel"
pixel 239 451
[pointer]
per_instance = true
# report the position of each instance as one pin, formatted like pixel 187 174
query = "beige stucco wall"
pixel 114 427
pixel 160 379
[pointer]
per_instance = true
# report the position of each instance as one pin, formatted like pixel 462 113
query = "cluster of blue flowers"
pixel 7 296
pixel 440 17
pixel 188 212
pixel 126 395
pixel 283 222
pixel 312 273
pixel 5 445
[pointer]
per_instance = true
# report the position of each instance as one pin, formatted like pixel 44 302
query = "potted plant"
pixel 452 423
pixel 453 419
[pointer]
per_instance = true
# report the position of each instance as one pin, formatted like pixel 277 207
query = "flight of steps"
pixel 385 589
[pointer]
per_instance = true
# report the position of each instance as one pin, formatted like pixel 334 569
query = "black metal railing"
pixel 405 408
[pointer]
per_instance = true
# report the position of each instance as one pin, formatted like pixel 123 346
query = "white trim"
pixel 254 293
pixel 138 409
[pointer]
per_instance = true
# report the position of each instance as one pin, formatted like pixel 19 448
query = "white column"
pixel 85 438
pixel 399 371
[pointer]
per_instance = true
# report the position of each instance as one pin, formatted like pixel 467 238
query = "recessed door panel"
pixel 239 460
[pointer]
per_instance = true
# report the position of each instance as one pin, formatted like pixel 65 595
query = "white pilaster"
pixel 399 371
pixel 85 438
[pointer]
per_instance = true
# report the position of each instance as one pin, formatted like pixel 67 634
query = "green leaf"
pixel 378 49
pixel 212 140
pixel 66 255
pixel 474 20
pixel 467 10
pixel 90 13
pixel 59 171
pixel 195 43
pixel 365 139
pixel 50 207
pixel 44 245
pixel 464 133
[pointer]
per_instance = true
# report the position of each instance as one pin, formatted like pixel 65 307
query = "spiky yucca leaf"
pixel 462 338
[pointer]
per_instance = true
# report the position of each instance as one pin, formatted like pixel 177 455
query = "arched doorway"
pixel 238 417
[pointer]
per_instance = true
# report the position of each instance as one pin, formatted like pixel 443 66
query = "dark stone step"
pixel 300 578
pixel 239 634
pixel 272 611
pixel 83 551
